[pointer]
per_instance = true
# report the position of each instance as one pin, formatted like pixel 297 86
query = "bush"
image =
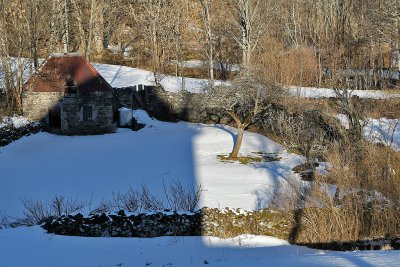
pixel 4 220
pixel 177 198
pixel 365 204
pixel 37 211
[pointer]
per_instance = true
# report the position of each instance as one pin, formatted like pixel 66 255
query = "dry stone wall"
pixel 9 133
pixel 207 222
pixel 186 106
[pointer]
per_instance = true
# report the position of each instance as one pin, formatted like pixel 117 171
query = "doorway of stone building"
pixel 55 117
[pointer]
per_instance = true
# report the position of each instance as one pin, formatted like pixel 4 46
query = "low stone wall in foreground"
pixel 206 222
pixel 9 133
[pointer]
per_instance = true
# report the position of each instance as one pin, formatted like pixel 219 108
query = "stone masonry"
pixel 36 104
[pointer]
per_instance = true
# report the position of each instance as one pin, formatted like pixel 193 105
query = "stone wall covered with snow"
pixel 207 222
pixel 13 128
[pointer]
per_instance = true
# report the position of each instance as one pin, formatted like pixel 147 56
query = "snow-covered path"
pixel 33 247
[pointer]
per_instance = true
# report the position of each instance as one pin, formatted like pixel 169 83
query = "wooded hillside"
pixel 302 42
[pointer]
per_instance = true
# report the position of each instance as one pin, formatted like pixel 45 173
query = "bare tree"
pixel 206 6
pixel 149 16
pixel 247 97
pixel 251 19
pixel 36 26
pixel 348 107
pixel 13 41
pixel 90 25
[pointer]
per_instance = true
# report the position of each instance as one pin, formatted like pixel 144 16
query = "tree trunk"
pixel 206 17
pixel 88 49
pixel 53 18
pixel 98 42
pixel 66 30
pixel 238 144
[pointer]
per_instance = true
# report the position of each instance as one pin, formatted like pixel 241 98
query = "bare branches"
pixel 36 211
pixel 177 197
pixel 181 198
pixel 247 97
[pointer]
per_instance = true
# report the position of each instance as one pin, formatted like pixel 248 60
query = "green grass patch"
pixel 256 157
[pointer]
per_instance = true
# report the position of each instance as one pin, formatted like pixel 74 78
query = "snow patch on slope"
pixel 382 130
pixel 313 92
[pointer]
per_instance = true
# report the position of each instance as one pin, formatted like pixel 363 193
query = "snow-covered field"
pixel 122 76
pixel 43 165
pixel 93 167
pixel 31 246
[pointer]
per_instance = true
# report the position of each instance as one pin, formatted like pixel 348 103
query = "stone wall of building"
pixel 36 104
pixel 72 119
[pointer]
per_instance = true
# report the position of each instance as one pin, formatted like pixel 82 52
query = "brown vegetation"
pixel 295 42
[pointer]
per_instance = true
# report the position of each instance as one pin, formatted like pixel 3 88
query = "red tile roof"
pixel 52 75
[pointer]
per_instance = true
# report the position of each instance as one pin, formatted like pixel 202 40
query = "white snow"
pixel 204 64
pixel 31 246
pixel 122 76
pixel 313 92
pixel 93 167
pixel 15 121
pixel 382 130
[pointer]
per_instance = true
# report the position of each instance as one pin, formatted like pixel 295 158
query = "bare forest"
pixel 294 42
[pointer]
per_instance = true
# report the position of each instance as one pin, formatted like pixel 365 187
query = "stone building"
pixel 69 96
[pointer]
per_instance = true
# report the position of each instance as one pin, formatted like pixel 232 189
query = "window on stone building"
pixel 87 113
